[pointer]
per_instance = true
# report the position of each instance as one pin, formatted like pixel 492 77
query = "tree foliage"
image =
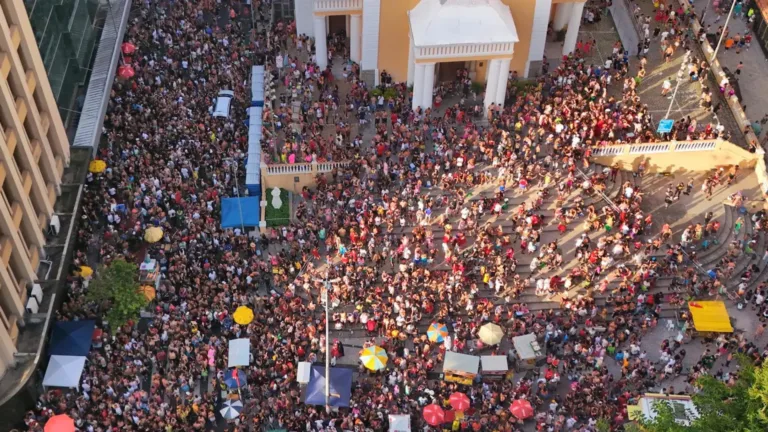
pixel 117 287
pixel 741 407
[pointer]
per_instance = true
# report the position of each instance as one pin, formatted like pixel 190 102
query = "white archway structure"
pixel 460 30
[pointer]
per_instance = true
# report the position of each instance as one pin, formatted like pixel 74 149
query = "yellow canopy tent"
pixel 710 316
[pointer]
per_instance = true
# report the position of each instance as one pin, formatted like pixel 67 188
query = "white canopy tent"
pixel 64 371
pixel 239 352
pixel 448 22
pixel 399 423
pixel 304 371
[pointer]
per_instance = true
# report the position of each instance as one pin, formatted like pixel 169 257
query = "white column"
pixel 418 85
pixel 562 15
pixel 538 33
pixel 370 49
pixel 303 13
pixel 411 62
pixel 429 85
pixel 346 23
pixel 501 86
pixel 321 42
pixel 574 23
pixel 355 37
pixel 491 83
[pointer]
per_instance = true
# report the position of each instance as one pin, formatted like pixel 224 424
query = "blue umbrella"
pixel 235 378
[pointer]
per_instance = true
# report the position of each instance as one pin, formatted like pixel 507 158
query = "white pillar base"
pixel 321 42
pixel 418 86
pixel 355 37
pixel 501 86
pixel 574 23
pixel 562 16
pixel 429 85
pixel 491 84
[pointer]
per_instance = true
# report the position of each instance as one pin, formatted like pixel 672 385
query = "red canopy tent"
pixel 60 423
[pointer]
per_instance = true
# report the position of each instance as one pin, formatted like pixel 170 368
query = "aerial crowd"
pixel 449 215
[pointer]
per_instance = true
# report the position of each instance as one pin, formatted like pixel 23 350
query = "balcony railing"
pixel 660 147
pixel 464 50
pixel 338 5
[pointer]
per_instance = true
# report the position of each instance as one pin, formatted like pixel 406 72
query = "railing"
pixel 464 50
pixel 337 5
pixel 282 169
pixel 660 147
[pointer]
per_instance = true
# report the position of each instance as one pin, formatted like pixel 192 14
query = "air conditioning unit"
pixel 32 305
pixel 37 292
pixel 55 226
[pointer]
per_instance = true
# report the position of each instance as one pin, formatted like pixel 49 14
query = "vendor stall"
pixel 149 273
pixel 710 316
pixel 528 350
pixel 460 368
pixel 494 367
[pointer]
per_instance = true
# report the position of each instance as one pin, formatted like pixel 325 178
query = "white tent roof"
pixel 239 352
pixel 461 362
pixel 304 370
pixel 399 423
pixel 494 363
pixel 449 22
pixel 64 371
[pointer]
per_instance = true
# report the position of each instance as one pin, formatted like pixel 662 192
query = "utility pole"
pixel 722 35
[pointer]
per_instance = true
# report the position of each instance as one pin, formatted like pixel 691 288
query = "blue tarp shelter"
pixel 231 208
pixel 341 387
pixel 71 338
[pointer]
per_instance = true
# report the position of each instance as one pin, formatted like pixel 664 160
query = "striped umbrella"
pixel 231 409
pixel 374 358
pixel 437 332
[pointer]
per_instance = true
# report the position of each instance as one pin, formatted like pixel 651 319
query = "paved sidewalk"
pixel 753 80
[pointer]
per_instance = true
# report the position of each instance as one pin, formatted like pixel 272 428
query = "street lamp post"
pixel 327 285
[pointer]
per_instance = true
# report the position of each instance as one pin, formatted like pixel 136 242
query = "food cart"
pixel 149 272
pixel 460 368
pixel 494 367
pixel 528 350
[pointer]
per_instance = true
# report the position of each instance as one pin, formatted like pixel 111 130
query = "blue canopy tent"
pixel 253 167
pixel 232 208
pixel 341 387
pixel 71 338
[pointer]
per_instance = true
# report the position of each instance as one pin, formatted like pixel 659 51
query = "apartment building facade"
pixel 34 151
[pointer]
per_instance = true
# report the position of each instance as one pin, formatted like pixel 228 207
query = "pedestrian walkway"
pixel 753 78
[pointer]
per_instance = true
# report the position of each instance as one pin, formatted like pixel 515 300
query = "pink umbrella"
pixel 128 48
pixel 125 72
pixel 433 414
pixel 459 401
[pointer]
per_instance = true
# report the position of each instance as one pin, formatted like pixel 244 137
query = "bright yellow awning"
pixel 634 412
pixel 710 316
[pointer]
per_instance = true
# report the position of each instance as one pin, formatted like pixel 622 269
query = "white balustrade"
pixel 649 148
pixel 338 5
pixel 464 50
pixel 696 146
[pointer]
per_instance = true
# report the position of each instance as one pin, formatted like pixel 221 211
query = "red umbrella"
pixel 60 423
pixel 459 401
pixel 128 48
pixel 521 409
pixel 125 71
pixel 433 414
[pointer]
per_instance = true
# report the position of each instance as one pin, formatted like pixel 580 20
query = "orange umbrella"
pixel 60 423
pixel 125 72
pixel 521 409
pixel 433 414
pixel 149 292
pixel 459 401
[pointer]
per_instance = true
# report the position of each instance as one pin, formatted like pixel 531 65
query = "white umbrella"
pixel 231 409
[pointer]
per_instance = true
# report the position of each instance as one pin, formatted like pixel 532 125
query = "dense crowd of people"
pixel 438 220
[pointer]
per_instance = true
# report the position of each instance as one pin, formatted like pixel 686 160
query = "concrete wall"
pixel 675 157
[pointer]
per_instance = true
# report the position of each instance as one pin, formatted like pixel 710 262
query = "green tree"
pixel 116 288
pixel 741 407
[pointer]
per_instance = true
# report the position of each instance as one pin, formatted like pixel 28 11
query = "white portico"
pixel 460 30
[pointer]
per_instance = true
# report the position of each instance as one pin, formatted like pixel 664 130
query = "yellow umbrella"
pixel 374 358
pixel 149 292
pixel 491 334
pixel 153 234
pixel 97 166
pixel 243 315
pixel 85 271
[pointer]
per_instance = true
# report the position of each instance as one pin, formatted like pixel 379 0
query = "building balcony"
pixel 337 6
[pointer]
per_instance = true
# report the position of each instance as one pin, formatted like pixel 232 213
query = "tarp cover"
pixel 523 346
pixel 461 362
pixel 71 338
pixel 399 423
pixel 341 387
pixel 230 212
pixel 494 363
pixel 239 352
pixel 64 371
pixel 710 316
